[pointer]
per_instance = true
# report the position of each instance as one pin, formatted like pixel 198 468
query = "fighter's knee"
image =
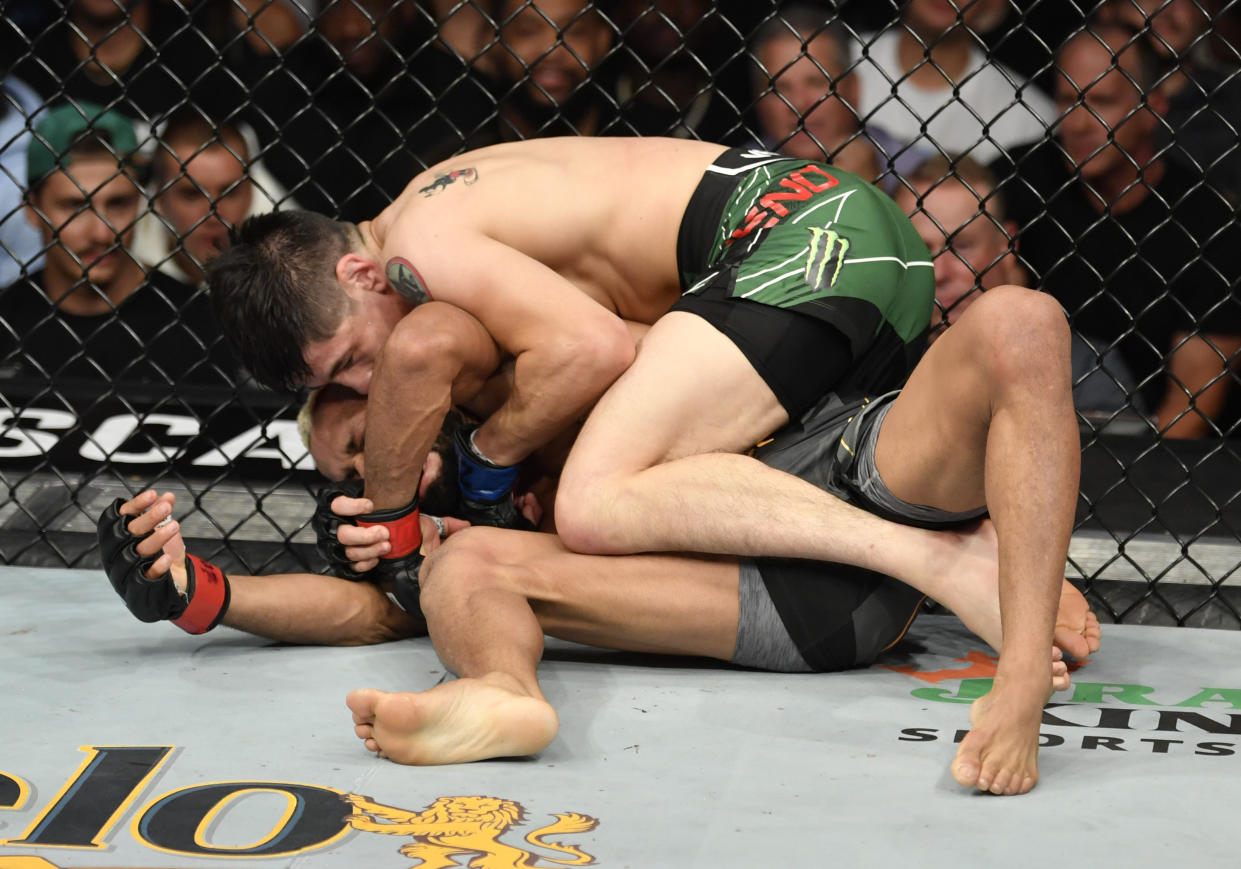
pixel 466 561
pixel 1018 331
pixel 580 518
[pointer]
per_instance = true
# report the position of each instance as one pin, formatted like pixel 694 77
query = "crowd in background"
pixel 1092 156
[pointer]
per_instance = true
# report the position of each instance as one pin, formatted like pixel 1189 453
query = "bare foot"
pixel 1000 753
pixel 1077 627
pixel 454 722
pixel 973 594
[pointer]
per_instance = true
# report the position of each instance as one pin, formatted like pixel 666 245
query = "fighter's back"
pixel 602 212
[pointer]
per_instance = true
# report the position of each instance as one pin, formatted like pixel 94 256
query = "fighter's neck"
pixel 370 242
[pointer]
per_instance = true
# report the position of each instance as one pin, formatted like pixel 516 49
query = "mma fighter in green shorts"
pixel 551 244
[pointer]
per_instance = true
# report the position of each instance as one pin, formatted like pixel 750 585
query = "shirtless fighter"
pixel 788 282
pixel 489 595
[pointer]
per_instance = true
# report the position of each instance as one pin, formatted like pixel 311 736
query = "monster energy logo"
pixel 827 255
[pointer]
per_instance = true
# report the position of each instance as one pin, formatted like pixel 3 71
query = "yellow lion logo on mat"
pixel 452 826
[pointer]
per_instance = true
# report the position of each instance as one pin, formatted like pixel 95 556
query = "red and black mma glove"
pixel 404 559
pixel 486 488
pixel 326 524
pixel 400 566
pixel 196 611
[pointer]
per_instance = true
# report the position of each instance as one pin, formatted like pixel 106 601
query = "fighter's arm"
pixel 1197 383
pixel 290 608
pixel 567 347
pixel 437 356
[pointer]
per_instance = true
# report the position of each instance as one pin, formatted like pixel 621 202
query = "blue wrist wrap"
pixel 479 479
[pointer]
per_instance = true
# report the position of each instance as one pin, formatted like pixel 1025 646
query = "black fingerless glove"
pixel 403 561
pixel 486 488
pixel 196 611
pixel 326 524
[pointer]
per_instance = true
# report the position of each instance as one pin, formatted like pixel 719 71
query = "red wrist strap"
pixel 208 597
pixel 404 534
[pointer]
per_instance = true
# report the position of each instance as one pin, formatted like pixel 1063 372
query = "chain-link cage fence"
pixel 1084 148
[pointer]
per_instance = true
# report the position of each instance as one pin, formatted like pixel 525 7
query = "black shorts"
pixel 815 274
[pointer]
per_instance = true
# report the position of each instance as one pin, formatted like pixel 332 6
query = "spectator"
pixel 201 190
pixel 928 83
pixel 545 62
pixel 20 249
pixel 1144 259
pixel 1203 91
pixel 142 57
pixel 675 79
pixel 956 208
pixel 93 313
pixel 805 97
pixel 343 116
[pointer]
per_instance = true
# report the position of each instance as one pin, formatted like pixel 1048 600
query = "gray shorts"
pixel 801 616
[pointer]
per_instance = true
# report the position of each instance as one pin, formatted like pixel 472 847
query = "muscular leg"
pixel 987 417
pixel 657 468
pixel 1001 432
pixel 489 595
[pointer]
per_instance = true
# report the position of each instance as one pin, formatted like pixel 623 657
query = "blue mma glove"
pixel 486 488
pixel 196 611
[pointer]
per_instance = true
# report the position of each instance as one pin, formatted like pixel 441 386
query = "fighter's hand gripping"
pixel 145 560
pixel 486 488
pixel 327 524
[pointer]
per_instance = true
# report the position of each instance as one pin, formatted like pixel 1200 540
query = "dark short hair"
pixel 1147 71
pixel 274 291
pixel 189 125
pixel 804 21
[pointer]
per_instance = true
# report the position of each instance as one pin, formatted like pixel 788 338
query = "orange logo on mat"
pixel 981 666
pixel 452 826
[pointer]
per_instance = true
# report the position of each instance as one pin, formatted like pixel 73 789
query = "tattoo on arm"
pixel 406 281
pixel 441 182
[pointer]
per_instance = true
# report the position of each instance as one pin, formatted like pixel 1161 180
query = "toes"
pixel 965 768
pixel 364 731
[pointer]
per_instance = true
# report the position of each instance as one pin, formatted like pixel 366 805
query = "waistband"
pixel 701 221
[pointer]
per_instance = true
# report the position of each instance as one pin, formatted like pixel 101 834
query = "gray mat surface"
pixel 131 745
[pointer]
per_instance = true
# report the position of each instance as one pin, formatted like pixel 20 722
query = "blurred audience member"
pixel 1143 257
pixel 959 212
pixel 676 77
pixel 927 82
pixel 545 62
pixel 93 313
pixel 465 31
pixel 344 115
pixel 20 248
pixel 1203 88
pixel 200 190
pixel 954 206
pixel 141 57
pixel 805 98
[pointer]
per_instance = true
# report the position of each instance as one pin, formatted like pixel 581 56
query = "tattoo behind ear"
pixel 406 281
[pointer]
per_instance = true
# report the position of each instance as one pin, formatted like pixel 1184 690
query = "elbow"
pixel 423 344
pixel 601 355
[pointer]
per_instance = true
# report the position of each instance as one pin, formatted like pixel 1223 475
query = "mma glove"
pixel 486 488
pixel 401 565
pixel 196 610
pixel 326 524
